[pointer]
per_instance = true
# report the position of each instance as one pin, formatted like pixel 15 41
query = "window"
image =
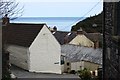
pixel 68 63
pixel 62 60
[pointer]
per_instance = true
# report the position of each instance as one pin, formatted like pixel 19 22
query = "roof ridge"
pixel 28 23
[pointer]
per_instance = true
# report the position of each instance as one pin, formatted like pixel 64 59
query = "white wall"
pixel 0 48
pixel 85 64
pixel 62 69
pixel 82 40
pixel 91 66
pixel 45 51
pixel 18 56
pixel 76 65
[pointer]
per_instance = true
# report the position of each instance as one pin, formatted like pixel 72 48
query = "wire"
pixel 83 16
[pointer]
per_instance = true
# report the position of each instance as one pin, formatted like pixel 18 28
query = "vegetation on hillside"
pixel 90 24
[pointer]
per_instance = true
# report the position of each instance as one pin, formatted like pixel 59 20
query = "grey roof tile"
pixel 60 36
pixel 75 53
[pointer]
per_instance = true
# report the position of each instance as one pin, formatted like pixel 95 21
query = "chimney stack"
pixel 66 39
pixel 96 44
pixel 80 31
pixel 55 28
pixel 5 20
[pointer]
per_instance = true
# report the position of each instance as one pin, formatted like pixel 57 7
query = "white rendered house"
pixel 81 39
pixel 33 47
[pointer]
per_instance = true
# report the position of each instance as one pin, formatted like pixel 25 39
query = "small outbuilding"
pixel 80 57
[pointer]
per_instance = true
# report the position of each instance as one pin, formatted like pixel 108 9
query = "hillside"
pixel 87 24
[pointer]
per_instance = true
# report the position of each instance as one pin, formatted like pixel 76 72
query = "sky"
pixel 61 8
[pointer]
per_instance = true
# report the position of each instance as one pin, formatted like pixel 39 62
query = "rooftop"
pixel 21 34
pixel 75 53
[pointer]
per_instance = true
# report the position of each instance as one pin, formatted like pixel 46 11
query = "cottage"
pixel 32 47
pixel 79 37
pixel 82 40
pixel 81 57
pixel 80 65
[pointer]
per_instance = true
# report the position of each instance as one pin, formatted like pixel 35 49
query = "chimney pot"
pixel 80 31
pixel 5 20
pixel 55 28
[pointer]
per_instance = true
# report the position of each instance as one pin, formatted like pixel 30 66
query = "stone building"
pixel 111 49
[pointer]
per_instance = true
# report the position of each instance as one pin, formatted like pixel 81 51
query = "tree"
pixel 11 8
pixel 8 9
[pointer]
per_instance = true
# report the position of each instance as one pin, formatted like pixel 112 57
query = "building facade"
pixel 80 65
pixel 81 57
pixel 32 47
pixel 111 47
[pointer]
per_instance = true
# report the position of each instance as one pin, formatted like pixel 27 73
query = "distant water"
pixel 62 23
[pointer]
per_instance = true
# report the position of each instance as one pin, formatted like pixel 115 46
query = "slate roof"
pixel 73 35
pixel 75 53
pixel 94 36
pixel 21 34
pixel 60 36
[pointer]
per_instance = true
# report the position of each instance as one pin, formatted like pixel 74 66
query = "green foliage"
pixel 87 24
pixel 84 74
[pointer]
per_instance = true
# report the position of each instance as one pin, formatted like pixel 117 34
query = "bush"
pixel 84 74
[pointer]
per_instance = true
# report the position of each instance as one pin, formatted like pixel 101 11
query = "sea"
pixel 62 23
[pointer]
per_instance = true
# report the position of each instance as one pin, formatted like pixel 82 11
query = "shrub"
pixel 84 74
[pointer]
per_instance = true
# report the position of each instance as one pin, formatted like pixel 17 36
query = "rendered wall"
pixel 77 65
pixel 91 66
pixel 82 40
pixel 18 56
pixel 45 53
pixel 84 64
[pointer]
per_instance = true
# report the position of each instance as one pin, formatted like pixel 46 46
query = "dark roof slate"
pixel 73 35
pixel 60 36
pixel 94 36
pixel 21 34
